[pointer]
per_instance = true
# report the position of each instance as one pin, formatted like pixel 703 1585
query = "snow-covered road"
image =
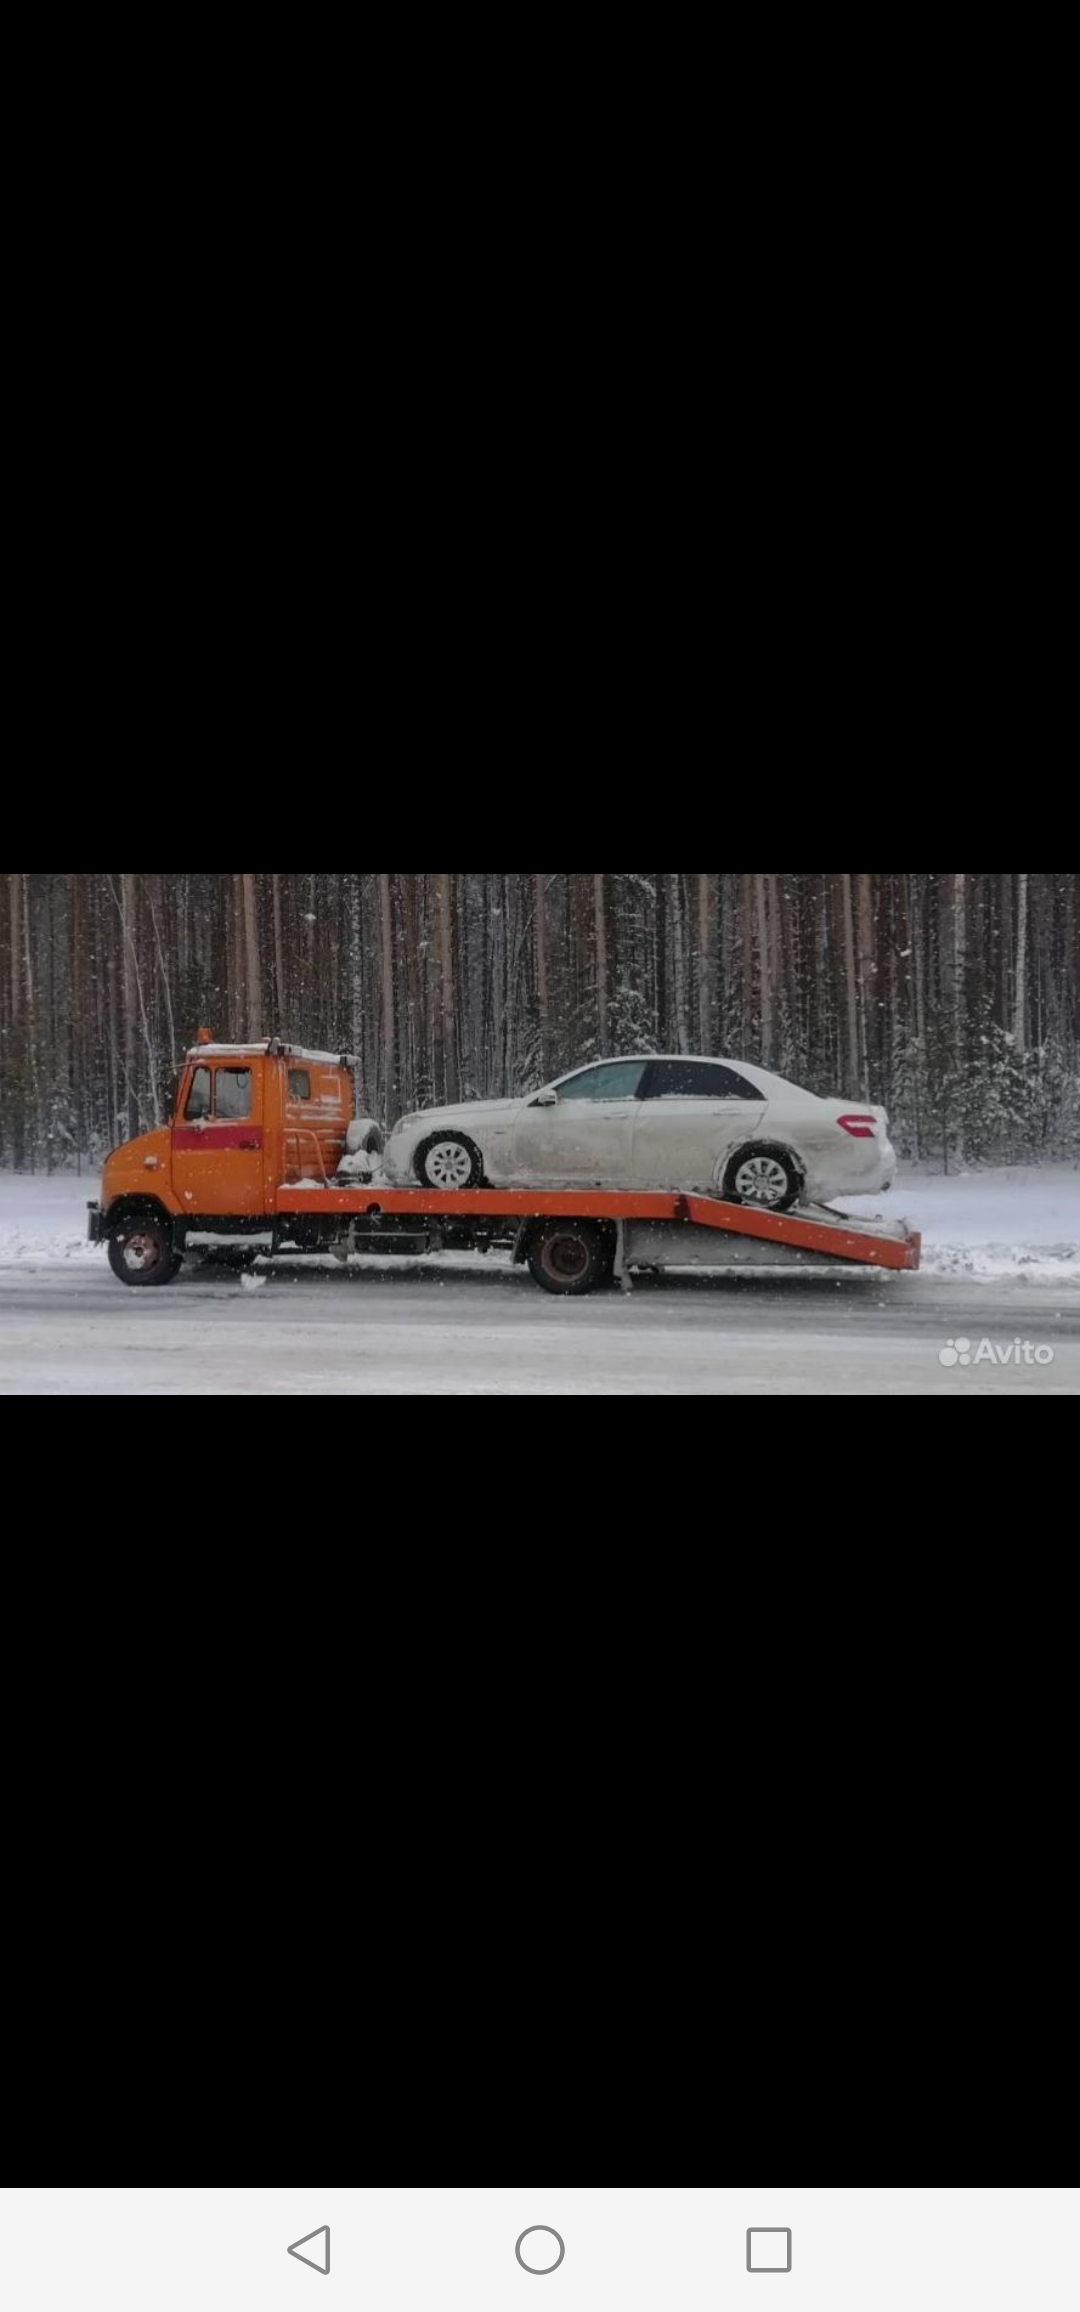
pixel 1003 1267
pixel 371 1333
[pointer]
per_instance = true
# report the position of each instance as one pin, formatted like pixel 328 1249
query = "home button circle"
pixel 542 2248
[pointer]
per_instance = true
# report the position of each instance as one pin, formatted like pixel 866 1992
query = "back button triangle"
pixel 323 2237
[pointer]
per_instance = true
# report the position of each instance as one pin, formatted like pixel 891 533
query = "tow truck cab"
pixel 247 1120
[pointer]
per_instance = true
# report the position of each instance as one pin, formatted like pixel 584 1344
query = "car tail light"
pixel 859 1127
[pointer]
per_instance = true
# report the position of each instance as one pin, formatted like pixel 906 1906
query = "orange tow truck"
pixel 264 1154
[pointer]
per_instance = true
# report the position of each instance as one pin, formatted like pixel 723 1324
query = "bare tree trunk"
pixel 764 968
pixel 128 894
pixel 163 969
pixel 542 989
pixel 959 1019
pixel 746 913
pixel 868 1020
pixel 678 962
pixel 960 963
pixel 279 955
pixel 253 969
pixel 1020 1024
pixel 918 941
pixel 389 1066
pixel 851 977
pixel 707 973
pixel 776 957
pixel 22 1120
pixel 15 886
pixel 444 941
pixel 236 1004
pixel 601 935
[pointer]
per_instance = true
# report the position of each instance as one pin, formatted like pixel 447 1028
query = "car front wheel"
pixel 449 1160
pixel 766 1177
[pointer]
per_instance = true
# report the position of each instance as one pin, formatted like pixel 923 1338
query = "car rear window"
pixel 696 1080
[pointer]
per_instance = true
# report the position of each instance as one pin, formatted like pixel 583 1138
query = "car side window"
pixel 696 1080
pixel 232 1095
pixel 198 1099
pixel 299 1084
pixel 615 1080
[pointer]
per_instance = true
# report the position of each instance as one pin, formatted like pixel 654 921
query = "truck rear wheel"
pixel 572 1257
pixel 141 1251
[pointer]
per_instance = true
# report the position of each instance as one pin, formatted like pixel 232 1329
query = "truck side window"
pixel 198 1099
pixel 232 1095
pixel 299 1084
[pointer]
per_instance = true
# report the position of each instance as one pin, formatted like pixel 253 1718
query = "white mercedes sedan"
pixel 719 1127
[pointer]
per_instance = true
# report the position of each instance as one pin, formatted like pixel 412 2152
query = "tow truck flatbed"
pixel 660 1228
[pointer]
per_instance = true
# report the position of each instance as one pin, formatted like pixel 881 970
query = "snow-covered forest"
pixel 955 999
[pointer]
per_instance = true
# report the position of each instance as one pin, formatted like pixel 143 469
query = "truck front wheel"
pixel 141 1251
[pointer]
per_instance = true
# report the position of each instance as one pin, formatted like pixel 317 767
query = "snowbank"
pixel 44 1221
pixel 1021 1223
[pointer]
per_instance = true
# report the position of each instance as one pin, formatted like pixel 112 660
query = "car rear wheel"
pixel 449 1160
pixel 141 1252
pixel 766 1177
pixel 572 1257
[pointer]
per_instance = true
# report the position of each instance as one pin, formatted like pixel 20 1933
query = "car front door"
pixel 583 1137
pixel 691 1116
pixel 217 1143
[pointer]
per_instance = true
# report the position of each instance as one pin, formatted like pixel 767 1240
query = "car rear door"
pixel 586 1138
pixel 691 1116
pixel 217 1144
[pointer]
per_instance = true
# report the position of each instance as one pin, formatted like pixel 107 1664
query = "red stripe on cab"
pixel 211 1139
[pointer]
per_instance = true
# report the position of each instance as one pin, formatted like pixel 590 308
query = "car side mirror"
pixel 547 1100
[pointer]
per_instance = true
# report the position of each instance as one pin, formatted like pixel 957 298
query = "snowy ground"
pixel 1002 1266
pixel 1023 1223
pixel 45 1219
